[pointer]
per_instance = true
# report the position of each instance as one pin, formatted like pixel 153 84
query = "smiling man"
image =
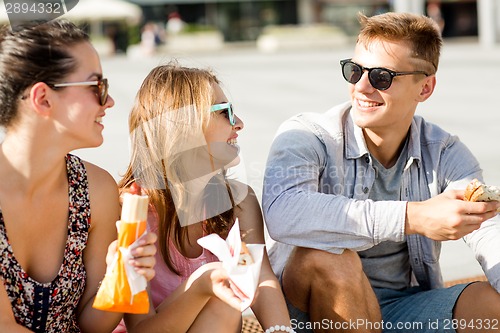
pixel 360 198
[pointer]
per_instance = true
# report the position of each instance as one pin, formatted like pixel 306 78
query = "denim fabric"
pixel 301 323
pixel 416 311
pixel 318 177
pixel 409 311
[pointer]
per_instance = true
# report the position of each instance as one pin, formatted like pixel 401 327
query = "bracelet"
pixel 279 328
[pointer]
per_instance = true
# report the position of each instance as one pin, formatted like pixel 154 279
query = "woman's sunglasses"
pixel 380 78
pixel 226 107
pixel 102 86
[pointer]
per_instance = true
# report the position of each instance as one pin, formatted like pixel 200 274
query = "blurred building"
pixel 240 20
pixel 462 17
pixel 244 20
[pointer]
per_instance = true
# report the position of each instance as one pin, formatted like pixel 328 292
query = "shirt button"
pixel 365 190
pixel 367 159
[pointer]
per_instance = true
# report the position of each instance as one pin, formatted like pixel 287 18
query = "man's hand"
pixel 447 216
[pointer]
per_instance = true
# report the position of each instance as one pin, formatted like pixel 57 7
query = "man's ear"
pixel 41 98
pixel 427 88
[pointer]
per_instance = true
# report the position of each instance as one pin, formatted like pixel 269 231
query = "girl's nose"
pixel 238 125
pixel 110 102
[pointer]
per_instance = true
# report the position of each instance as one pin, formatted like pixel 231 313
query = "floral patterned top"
pixel 50 307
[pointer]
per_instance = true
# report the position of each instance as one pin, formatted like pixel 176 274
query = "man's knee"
pixel 332 286
pixel 321 268
pixel 478 300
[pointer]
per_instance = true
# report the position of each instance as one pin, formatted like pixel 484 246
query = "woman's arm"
pixel 7 320
pixel 180 310
pixel 269 305
pixel 105 211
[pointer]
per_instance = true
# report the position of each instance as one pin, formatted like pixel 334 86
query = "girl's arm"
pixel 269 305
pixel 7 320
pixel 105 211
pixel 180 310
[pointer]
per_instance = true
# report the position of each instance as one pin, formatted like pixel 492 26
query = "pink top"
pixel 166 281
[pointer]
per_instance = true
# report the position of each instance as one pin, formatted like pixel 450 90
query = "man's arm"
pixel 447 216
pixel 297 213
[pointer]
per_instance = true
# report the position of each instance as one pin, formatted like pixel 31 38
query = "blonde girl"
pixel 184 137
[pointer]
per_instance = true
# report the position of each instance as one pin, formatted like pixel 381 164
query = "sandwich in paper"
pixel 245 257
pixel 123 289
pixel 241 261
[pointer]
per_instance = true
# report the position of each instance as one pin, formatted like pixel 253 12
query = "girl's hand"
pixel 144 259
pixel 213 280
pixel 221 288
pixel 144 255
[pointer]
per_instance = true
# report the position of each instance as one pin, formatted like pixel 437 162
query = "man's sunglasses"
pixel 380 78
pixel 102 86
pixel 225 107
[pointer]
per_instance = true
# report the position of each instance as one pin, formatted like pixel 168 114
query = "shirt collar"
pixel 355 144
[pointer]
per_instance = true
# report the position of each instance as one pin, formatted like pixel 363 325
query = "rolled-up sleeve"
pixel 459 167
pixel 299 212
pixel 485 243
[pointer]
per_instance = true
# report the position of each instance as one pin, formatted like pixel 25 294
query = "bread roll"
pixel 477 191
pixel 135 205
pixel 245 256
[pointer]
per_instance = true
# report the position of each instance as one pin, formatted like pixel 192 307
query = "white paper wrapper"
pixel 244 279
pixel 136 281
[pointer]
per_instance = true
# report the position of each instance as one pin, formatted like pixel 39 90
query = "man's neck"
pixel 385 148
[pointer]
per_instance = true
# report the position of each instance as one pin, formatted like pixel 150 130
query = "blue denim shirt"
pixel 318 177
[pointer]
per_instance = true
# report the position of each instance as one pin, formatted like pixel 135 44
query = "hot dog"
pixel 135 205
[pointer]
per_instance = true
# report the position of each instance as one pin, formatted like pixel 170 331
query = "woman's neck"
pixel 190 248
pixel 28 163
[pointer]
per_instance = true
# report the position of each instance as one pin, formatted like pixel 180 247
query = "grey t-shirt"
pixel 387 264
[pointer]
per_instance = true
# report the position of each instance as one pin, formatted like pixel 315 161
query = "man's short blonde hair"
pixel 420 32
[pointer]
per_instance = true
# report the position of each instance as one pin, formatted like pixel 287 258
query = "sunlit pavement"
pixel 267 88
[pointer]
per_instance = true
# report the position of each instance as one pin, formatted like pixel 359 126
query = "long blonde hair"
pixel 167 121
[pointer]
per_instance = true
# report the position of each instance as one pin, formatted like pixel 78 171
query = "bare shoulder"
pixel 104 199
pixel 250 198
pixel 242 193
pixel 101 184
pixel 249 215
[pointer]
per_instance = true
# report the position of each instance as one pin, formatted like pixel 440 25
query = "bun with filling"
pixel 477 191
pixel 245 256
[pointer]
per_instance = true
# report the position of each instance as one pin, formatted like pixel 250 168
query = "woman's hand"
pixel 144 260
pixel 213 280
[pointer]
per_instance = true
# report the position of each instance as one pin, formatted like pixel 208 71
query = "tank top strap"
pixel 79 198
